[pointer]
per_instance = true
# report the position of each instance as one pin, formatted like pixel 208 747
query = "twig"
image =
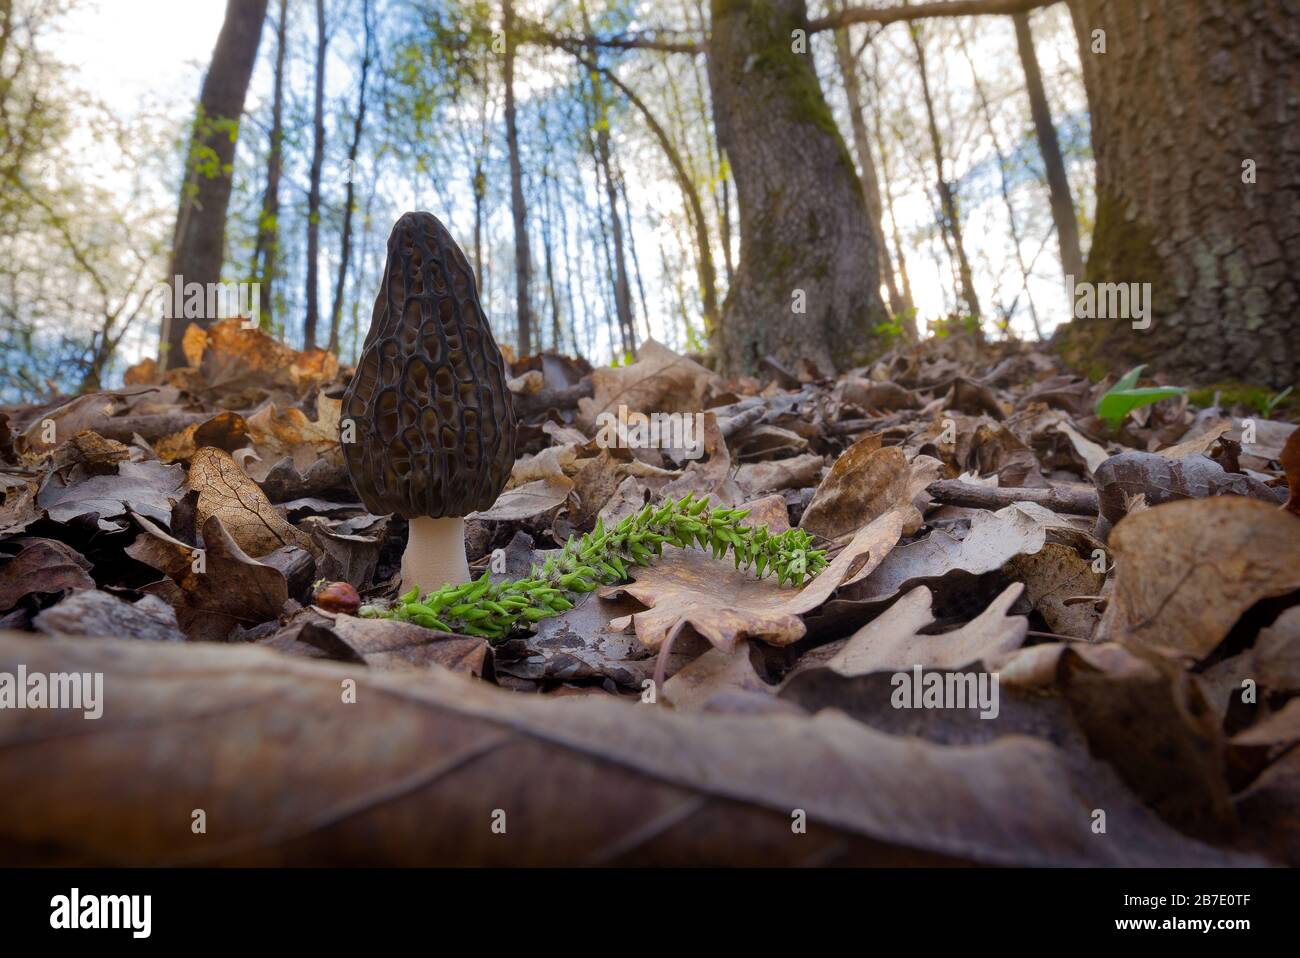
pixel 954 492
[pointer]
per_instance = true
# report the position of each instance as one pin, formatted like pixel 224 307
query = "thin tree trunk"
pixel 870 185
pixel 336 311
pixel 523 264
pixel 1058 184
pixel 311 318
pixel 704 250
pixel 198 245
pixel 951 221
pixel 266 251
pixel 987 109
pixel 895 233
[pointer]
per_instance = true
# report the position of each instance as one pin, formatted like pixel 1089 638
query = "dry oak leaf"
pixel 244 509
pixel 1146 716
pixel 1051 575
pixel 230 358
pixel 688 588
pixel 1290 459
pixel 993 540
pixel 147 488
pixel 77 415
pixel 261 741
pixel 225 430
pixel 1186 571
pixel 528 501
pixel 385 644
pixel 659 381
pixel 226 591
pixel 41 566
pixel 893 641
pixel 277 433
pixel 714 675
pixel 866 481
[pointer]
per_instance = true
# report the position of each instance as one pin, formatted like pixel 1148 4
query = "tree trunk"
pixel 622 288
pixel 951 218
pixel 313 192
pixel 345 253
pixel 808 280
pixel 523 264
pixel 862 145
pixel 1184 95
pixel 266 250
pixel 198 245
pixel 1058 185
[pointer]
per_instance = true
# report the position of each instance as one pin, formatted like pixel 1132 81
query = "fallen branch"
pixel 954 492
pixel 565 397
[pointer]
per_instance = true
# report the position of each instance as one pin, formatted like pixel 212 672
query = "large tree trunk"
pixel 1058 185
pixel 523 263
pixel 266 250
pixel 198 246
pixel 312 316
pixel 1182 97
pixel 805 233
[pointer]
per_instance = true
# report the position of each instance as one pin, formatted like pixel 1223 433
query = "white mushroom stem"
pixel 435 554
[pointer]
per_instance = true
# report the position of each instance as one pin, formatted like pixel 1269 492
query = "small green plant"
pixel 1268 405
pixel 1125 396
pixel 601 557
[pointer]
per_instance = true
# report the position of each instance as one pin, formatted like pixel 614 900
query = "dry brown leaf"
pixel 865 482
pixel 243 508
pixel 314 779
pixel 993 540
pixel 1186 571
pixel 894 642
pixel 41 567
pixel 278 433
pixel 688 588
pixel 228 590
pixel 1051 575
pixel 659 381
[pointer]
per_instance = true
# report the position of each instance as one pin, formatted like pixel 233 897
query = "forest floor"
pixel 1041 638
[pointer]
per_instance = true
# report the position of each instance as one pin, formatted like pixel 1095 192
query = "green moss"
pixel 1247 396
pixel 801 92
pixel 1122 251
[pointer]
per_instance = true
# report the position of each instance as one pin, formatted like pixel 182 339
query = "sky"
pixel 132 52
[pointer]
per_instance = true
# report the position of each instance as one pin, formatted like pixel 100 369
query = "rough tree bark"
pixel 1058 185
pixel 1182 97
pixel 805 232
pixel 198 245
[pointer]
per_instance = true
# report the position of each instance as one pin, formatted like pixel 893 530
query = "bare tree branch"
pixel 921 11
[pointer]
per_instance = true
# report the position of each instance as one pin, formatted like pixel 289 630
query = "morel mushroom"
pixel 434 428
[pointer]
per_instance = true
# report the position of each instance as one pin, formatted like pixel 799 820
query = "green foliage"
pixel 495 609
pixel 943 328
pixel 1125 396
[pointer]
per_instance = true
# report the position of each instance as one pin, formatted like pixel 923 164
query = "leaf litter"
pixel 1130 587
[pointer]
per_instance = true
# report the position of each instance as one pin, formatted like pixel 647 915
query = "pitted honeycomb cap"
pixel 434 425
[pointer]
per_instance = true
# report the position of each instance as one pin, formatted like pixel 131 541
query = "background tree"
pixel 1194 121
pixel 198 248
pixel 805 232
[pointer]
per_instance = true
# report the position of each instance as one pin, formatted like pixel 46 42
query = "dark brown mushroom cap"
pixel 434 426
